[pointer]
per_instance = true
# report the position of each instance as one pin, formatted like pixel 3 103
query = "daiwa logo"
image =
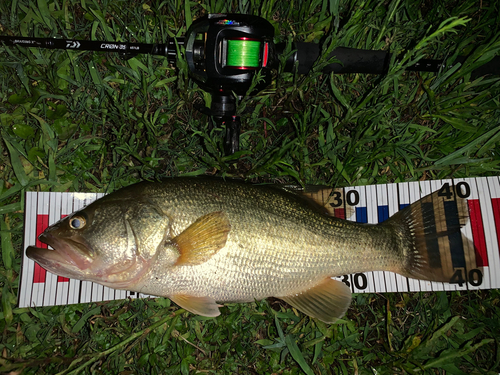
pixel 72 44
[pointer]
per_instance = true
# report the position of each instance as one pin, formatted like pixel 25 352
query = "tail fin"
pixel 429 231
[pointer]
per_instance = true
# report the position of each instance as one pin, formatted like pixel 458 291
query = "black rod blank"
pixel 167 49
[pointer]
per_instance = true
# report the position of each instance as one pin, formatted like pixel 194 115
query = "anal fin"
pixel 204 306
pixel 328 301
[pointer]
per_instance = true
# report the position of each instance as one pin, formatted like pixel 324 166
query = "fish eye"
pixel 77 222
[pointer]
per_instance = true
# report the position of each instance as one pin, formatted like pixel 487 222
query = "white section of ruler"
pixel 490 189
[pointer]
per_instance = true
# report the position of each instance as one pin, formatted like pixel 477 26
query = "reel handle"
pixel 232 137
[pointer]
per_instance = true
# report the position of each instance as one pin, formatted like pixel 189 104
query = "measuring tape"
pixel 475 267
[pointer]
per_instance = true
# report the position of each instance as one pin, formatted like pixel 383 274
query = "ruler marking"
pixel 391 278
pixel 474 197
pixel 377 198
pixel 27 267
pixel 442 252
pixel 367 215
pixel 493 190
pixel 490 237
pixel 39 273
pixel 376 203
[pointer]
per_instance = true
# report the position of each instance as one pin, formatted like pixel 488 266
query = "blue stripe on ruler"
pixel 361 215
pixel 383 213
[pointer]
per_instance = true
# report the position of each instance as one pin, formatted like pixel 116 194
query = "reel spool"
pixel 245 53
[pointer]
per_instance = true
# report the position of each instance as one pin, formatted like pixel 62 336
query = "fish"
pixel 202 242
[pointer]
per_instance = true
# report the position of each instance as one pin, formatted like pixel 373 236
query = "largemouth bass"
pixel 202 241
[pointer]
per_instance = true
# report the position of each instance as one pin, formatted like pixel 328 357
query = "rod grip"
pixel 351 60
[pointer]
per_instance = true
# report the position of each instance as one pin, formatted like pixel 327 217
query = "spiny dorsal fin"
pixel 204 306
pixel 202 239
pixel 324 199
pixel 328 301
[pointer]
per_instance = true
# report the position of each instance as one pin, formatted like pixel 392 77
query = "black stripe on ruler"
pixel 455 239
pixel 430 232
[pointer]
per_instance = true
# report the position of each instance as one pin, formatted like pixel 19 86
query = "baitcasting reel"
pixel 223 53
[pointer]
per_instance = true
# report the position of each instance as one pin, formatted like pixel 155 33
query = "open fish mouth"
pixel 69 258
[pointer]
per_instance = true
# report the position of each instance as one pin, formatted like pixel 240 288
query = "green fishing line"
pixel 243 53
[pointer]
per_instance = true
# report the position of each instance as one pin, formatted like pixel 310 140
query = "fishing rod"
pixel 224 52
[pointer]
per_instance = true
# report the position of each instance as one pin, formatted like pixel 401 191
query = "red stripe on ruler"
pixel 339 212
pixel 61 279
pixel 476 222
pixel 42 222
pixel 495 203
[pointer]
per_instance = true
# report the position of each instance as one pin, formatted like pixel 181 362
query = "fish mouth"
pixel 69 258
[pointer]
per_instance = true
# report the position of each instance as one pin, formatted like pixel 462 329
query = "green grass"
pixel 84 121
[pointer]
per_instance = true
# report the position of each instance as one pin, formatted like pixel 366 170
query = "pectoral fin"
pixel 204 306
pixel 327 301
pixel 202 239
